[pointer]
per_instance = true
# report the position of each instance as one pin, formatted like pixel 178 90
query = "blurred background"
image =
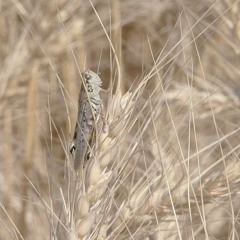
pixel 192 47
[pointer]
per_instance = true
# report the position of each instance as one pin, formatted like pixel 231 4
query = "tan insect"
pixel 89 120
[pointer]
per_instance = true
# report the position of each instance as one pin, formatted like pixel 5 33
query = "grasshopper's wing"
pixel 85 136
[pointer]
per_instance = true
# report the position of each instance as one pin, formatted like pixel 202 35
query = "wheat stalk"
pixel 168 166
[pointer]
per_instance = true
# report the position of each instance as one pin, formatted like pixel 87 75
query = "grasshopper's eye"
pixel 87 76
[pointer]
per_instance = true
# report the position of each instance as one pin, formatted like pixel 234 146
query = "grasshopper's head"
pixel 91 79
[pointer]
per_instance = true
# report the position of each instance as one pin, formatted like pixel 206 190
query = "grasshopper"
pixel 89 121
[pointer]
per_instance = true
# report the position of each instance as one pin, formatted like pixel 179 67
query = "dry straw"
pixel 167 166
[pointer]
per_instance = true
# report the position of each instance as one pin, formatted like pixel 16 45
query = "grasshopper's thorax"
pixel 91 89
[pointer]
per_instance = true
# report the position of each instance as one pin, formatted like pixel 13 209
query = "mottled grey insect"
pixel 89 120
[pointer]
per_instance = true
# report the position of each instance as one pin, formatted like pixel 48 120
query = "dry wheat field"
pixel 167 166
